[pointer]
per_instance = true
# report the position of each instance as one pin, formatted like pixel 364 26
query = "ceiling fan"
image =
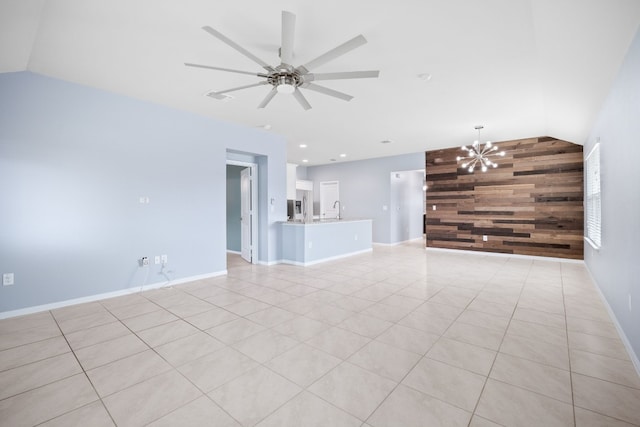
pixel 285 78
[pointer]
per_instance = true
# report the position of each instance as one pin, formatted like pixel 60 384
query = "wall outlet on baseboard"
pixel 156 259
pixel 7 279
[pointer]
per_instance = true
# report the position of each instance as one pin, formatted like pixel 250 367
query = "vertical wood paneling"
pixel 531 204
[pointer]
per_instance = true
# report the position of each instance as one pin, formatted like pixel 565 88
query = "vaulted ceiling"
pixel 521 68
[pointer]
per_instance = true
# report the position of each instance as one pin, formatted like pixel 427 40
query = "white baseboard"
pixel 333 258
pixel 229 251
pixel 113 294
pixel 498 254
pixel 398 243
pixel 627 344
pixel 268 263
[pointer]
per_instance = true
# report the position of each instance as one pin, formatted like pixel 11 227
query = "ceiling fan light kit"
pixel 285 78
pixel 478 155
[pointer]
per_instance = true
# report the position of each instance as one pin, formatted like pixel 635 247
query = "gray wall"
pixel 616 266
pixel 74 162
pixel 365 188
pixel 233 207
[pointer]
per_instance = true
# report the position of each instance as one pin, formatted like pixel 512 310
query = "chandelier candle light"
pixel 478 154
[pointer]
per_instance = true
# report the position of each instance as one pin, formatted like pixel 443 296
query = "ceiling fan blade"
pixel 237 47
pixel 327 91
pixel 288 33
pixel 333 53
pixel 240 87
pixel 301 99
pixel 273 92
pixel 343 75
pixel 210 67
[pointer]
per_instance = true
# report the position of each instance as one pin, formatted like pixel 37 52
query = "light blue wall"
pixel 233 207
pixel 365 188
pixel 74 162
pixel 616 266
pixel 406 205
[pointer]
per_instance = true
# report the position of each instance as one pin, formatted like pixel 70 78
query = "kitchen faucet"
pixel 337 202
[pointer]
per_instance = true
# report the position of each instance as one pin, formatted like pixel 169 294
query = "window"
pixel 593 198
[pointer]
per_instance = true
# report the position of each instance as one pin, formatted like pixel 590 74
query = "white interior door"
pixel 329 195
pixel 246 188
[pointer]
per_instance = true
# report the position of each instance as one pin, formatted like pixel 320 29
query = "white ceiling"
pixel 521 68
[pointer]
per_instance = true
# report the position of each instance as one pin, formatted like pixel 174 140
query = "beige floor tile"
pixel 605 368
pixel 190 308
pixel 588 312
pixel 149 400
pixel 271 316
pixel 612 347
pixel 109 351
pixel 265 345
pixel 123 301
pixel 329 314
pixel 200 412
pixel 149 320
pixel 226 298
pixel 28 336
pixel 402 301
pixel 456 297
pixel 353 389
pixel 47 402
pixel 27 377
pixel 210 318
pixel 29 321
pixel 543 379
pixel 85 322
pixel 301 328
pixel 540 317
pixel 365 325
pixel 126 372
pixel 303 364
pixel 93 414
pixel 309 411
pixel 246 307
pixel 435 310
pixel 476 335
pixel 216 369
pixel 585 418
pixel 463 355
pixel 235 330
pixel 167 332
pixel 385 360
pixel 77 310
pixel 254 395
pixel 431 323
pixel 477 421
pixel 272 297
pixel 189 348
pixel 453 385
pixel 491 308
pixel 407 407
pixel 29 353
pixel 133 310
pixel 300 305
pixel 593 327
pixel 489 321
pixel 352 303
pixel 537 351
pixel 96 335
pixel 409 339
pixel 513 406
pixel 338 342
pixel 387 312
pixel 550 335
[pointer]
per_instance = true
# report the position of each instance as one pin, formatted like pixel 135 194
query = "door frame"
pixel 254 204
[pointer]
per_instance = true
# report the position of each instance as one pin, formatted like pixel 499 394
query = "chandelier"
pixel 478 154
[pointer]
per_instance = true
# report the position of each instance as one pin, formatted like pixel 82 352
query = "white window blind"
pixel 593 198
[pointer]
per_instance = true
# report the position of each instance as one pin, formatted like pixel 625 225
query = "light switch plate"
pixel 7 279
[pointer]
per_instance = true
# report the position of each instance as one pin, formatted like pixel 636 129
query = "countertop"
pixel 324 221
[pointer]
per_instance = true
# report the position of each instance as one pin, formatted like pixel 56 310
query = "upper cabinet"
pixel 291 181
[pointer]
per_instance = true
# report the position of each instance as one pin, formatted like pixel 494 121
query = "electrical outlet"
pixel 355 237
pixel 7 279
pixel 164 258
pixel 156 259
pixel 485 238
pixel 433 207
pixel 144 261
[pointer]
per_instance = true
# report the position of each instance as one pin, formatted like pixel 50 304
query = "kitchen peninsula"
pixel 307 243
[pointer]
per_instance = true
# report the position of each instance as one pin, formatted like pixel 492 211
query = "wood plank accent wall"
pixel 531 204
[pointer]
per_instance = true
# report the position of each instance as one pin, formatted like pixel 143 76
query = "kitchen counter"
pixel 307 243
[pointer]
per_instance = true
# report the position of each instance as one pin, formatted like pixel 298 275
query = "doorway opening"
pixel 242 209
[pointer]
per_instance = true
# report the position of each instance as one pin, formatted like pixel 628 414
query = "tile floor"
pixel 396 338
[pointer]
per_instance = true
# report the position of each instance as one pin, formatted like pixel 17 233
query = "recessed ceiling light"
pixel 332 160
pixel 386 141
pixel 305 161
pixel 302 145
pixel 266 127
pixel 343 155
pixel 425 76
